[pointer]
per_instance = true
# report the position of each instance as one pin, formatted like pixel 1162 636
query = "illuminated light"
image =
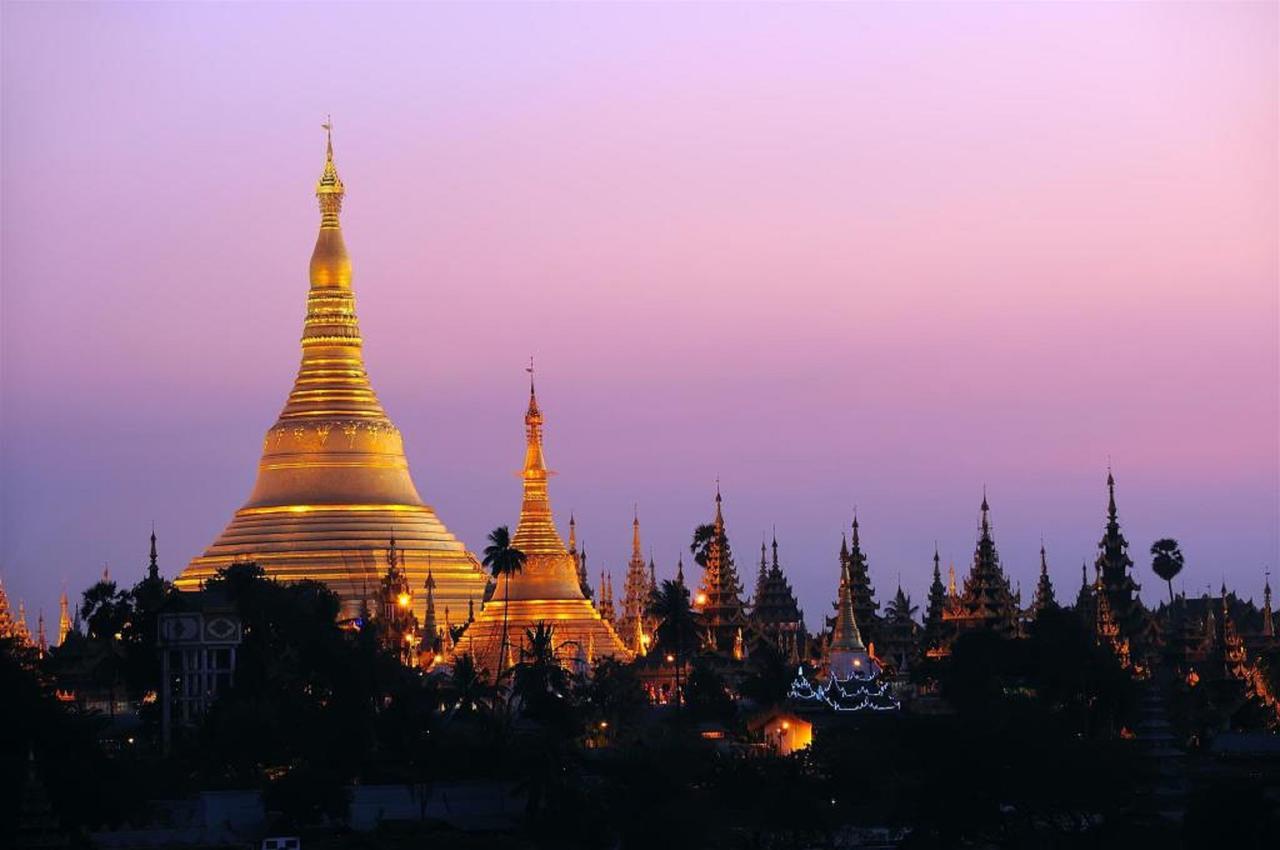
pixel 700 599
pixel 604 724
pixel 438 658
pixel 403 599
pixel 712 734
pixel 671 659
pixel 785 725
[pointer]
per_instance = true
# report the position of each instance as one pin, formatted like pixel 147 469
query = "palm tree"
pixel 503 560
pixel 1166 561
pixel 900 608
pixel 539 680
pixel 468 687
pixel 676 628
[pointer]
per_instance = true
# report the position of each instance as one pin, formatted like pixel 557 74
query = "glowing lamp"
pixel 671 659
pixel 403 599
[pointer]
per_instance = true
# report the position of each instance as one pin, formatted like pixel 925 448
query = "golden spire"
pixel 64 617
pixel 536 532
pixel 845 634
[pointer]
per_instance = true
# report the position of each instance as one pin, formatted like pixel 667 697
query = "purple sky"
pixel 834 254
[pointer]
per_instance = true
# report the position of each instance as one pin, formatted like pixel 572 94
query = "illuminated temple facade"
pixel 333 482
pixel 547 589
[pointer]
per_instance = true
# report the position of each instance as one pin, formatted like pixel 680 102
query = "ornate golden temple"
pixel 333 482
pixel 547 589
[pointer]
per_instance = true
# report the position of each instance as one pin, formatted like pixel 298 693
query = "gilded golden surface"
pixel 547 589
pixel 333 482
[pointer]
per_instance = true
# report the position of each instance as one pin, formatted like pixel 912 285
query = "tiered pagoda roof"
pixel 775 612
pixel 633 625
pixel 1044 598
pixel 987 602
pixel 1115 570
pixel 719 597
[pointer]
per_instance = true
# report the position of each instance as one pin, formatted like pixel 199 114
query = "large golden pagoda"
pixel 547 589
pixel 333 483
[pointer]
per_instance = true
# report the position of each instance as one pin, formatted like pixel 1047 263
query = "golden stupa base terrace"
pixel 578 632
pixel 344 546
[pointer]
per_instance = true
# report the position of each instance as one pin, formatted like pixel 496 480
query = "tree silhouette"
pixel 503 560
pixel 676 632
pixel 1166 561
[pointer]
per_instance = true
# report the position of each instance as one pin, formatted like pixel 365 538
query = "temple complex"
pixel 547 589
pixel 333 481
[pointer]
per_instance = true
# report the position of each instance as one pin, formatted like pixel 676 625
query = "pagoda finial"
pixel 680 569
pixel 635 535
pixel 775 547
pixel 329 188
pixel 856 542
pixel 1111 494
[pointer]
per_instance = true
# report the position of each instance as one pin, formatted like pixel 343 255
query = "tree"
pixel 470 692
pixel 503 561
pixel 676 632
pixel 1166 561
pixel 701 545
pixel 540 681
pixel 900 609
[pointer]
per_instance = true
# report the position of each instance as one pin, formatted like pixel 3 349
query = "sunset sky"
pixel 836 255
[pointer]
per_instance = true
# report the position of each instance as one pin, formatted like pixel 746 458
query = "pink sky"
pixel 834 254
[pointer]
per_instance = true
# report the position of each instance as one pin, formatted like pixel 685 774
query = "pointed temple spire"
pixel 1115 569
pixel 64 617
pixel 1044 598
pixel 1268 622
pixel 776 615
pixel 863 593
pixel 549 588
pixel 153 566
pixel 719 597
pixel 42 640
pixel 680 569
pixel 429 627
pixel 7 624
pixel 987 603
pixel 935 631
pixel 333 476
pixel 633 627
pixel 846 651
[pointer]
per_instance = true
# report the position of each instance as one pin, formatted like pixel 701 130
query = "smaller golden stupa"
pixel 547 589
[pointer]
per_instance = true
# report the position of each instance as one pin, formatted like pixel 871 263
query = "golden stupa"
pixel 547 589
pixel 333 482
